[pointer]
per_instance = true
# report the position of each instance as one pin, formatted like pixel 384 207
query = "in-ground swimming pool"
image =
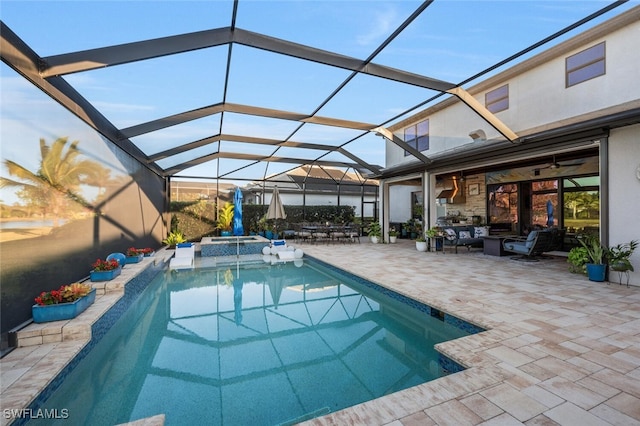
pixel 256 344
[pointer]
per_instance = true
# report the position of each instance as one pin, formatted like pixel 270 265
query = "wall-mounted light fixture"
pixel 478 135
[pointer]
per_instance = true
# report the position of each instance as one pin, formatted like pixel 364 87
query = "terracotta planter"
pixel 62 311
pixel 105 275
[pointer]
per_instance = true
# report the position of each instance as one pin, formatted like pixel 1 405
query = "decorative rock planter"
pixel 62 311
pixel 134 259
pixel 105 275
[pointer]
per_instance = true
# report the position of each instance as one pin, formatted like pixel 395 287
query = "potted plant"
pixel 147 251
pixel 597 253
pixel 133 255
pixel 434 232
pixel 619 259
pixel 421 243
pixel 174 238
pixel 65 303
pixel 411 228
pixel 578 258
pixel 393 235
pixel 405 230
pixel 225 219
pixel 105 270
pixel 375 232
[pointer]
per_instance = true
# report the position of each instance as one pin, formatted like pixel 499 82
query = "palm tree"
pixel 57 180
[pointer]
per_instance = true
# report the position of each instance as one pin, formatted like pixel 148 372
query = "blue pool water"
pixel 256 344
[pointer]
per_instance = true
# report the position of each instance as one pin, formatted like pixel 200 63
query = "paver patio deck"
pixel 559 349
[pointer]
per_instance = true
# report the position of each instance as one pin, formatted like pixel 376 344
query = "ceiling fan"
pixel 553 165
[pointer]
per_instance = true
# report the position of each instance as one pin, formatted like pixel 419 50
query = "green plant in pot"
pixel 619 259
pixel 393 235
pixel 578 258
pixel 174 238
pixel 433 232
pixel 597 253
pixel 375 231
pixel 225 218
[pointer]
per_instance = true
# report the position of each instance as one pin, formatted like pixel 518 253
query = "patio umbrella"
pixel 549 213
pixel 238 229
pixel 276 209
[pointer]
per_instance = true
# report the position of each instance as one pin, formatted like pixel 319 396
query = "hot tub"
pixel 231 246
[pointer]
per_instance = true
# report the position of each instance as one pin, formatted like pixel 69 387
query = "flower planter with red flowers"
pixel 105 270
pixel 66 303
pixel 147 251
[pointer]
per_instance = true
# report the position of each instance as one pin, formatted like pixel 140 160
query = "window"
pixel 544 203
pixel 417 136
pixel 585 65
pixel 581 200
pixel 497 100
pixel 503 203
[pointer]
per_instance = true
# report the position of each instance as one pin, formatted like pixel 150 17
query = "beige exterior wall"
pixel 538 98
pixel 624 192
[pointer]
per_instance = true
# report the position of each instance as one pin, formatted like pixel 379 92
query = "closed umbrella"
pixel 276 209
pixel 549 213
pixel 238 229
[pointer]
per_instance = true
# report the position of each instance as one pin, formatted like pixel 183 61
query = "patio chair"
pixel 302 234
pixel 320 233
pixel 184 257
pixel 338 233
pixel 352 233
pixel 528 248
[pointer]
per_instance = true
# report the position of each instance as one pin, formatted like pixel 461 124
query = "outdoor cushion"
pixel 450 234
pixel 464 234
pixel 480 231
pixel 531 239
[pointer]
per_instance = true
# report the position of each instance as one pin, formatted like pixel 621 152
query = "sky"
pixel 451 40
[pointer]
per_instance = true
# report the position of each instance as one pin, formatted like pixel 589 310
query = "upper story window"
pixel 585 65
pixel 497 100
pixel 417 136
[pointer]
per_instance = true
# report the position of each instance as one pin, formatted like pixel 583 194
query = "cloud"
pixel 383 23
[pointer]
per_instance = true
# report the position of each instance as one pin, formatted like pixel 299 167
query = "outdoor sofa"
pixel 468 236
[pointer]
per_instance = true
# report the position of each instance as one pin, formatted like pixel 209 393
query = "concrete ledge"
pixel 79 328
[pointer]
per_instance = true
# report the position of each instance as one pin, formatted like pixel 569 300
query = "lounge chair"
pixel 528 248
pixel 184 257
